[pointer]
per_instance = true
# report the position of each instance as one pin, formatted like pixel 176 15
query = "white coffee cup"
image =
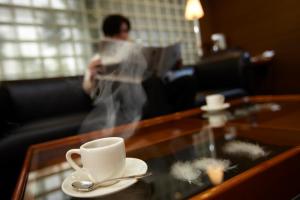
pixel 214 101
pixel 102 159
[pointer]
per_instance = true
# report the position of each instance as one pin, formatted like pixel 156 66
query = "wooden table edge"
pixel 20 187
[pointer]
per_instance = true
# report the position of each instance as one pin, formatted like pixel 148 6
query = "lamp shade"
pixel 193 10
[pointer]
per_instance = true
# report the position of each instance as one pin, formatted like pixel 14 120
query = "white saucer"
pixel 133 166
pixel 210 109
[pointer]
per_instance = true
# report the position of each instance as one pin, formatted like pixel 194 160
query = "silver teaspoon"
pixel 86 186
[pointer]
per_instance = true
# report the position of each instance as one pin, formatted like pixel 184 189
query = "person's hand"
pixel 95 66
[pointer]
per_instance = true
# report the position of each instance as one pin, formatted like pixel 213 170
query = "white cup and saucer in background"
pixel 215 102
pixel 102 159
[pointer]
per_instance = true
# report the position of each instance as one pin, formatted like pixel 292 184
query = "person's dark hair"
pixel 112 24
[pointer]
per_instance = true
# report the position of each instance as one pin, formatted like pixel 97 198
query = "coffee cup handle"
pixel 70 159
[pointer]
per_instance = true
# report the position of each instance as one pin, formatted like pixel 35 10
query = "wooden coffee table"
pixel 171 145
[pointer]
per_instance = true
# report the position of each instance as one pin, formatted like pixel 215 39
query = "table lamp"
pixel 194 11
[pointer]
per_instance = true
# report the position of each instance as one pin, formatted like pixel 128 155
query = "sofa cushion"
pixel 6 110
pixel 35 99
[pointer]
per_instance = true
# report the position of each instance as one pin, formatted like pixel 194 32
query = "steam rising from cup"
pixel 120 97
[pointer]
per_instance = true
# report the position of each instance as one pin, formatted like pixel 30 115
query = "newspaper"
pixel 161 59
pixel 130 62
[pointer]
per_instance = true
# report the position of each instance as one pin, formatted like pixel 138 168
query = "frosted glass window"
pixel 44 17
pixel 77 33
pixel 4 1
pixel 66 49
pixel 51 65
pixel 75 19
pixel 105 4
pixel 33 67
pixel 69 65
pixel 164 35
pixel 75 5
pixel 51 34
pixel 7 32
pixel 59 4
pixel 117 8
pixel 12 69
pixel 40 3
pixel 27 33
pixel 44 38
pixel 154 35
pixel 62 18
pixel 144 35
pixel 24 16
pixel 29 49
pixel 9 49
pixel 79 48
pixel 6 15
pixel 49 50
pixel 22 2
pixel 81 64
pixel 134 34
pixel 65 33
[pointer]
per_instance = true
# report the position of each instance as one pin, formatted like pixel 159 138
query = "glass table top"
pixel 198 152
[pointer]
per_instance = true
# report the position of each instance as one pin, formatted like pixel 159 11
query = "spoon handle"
pixel 100 184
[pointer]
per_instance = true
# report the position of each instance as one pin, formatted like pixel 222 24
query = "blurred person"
pixel 114 27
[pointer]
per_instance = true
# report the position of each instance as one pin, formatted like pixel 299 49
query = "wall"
pixel 257 25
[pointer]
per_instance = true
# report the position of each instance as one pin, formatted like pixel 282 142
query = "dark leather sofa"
pixel 34 111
